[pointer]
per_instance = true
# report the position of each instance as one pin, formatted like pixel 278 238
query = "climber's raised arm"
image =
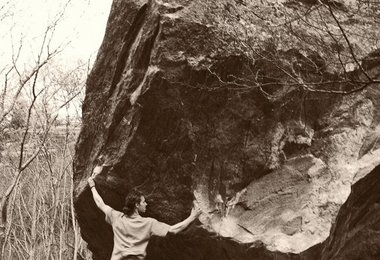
pixel 195 212
pixel 98 200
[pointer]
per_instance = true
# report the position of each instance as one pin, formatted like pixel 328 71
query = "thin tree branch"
pixel 348 42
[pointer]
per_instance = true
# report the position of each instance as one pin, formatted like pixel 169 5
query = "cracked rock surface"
pixel 270 168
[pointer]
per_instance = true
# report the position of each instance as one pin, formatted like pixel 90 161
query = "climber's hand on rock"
pixel 91 182
pixel 98 169
pixel 196 211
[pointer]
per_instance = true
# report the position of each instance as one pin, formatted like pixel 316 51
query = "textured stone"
pixel 270 168
pixel 355 234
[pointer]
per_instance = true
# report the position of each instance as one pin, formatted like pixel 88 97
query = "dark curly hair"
pixel 133 198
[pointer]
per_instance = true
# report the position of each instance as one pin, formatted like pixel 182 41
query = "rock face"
pixel 207 100
pixel 355 235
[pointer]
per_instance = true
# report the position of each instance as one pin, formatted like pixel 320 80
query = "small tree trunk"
pixel 33 230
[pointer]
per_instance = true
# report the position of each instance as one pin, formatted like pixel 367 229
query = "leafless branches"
pixel 312 48
pixel 32 214
pixel 40 208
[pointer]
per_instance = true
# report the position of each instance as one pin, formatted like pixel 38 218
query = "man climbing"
pixel 132 231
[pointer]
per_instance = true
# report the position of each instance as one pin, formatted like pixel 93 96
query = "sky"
pixel 83 25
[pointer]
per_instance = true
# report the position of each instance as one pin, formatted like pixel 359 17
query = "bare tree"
pixel 39 94
pixel 38 206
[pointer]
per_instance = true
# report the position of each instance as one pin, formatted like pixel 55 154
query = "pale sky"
pixel 83 24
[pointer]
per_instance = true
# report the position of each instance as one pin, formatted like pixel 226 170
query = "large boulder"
pixel 355 234
pixel 238 105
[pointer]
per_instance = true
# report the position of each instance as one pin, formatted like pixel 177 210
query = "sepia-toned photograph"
pixel 190 130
